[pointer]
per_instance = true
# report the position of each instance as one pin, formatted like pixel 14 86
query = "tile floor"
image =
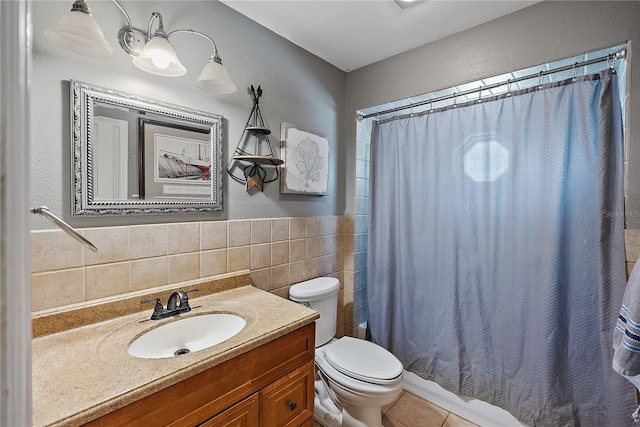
pixel 410 410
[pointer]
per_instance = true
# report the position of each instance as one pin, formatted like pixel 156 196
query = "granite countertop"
pixel 84 371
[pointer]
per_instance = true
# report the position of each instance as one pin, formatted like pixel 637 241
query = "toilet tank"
pixel 321 295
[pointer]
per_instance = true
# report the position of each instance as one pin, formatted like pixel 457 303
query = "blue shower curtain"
pixel 496 249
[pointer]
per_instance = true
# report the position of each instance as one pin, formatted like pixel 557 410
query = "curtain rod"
pixel 621 54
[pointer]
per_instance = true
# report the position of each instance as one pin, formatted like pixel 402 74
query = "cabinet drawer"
pixel 243 414
pixel 288 401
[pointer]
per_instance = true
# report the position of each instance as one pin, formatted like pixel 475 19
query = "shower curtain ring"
pixel 509 87
pixel 611 60
pixel 431 106
pixel 540 80
pixel 455 99
pixel 479 93
pixel 575 72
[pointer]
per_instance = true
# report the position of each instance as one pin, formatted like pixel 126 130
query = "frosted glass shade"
pixel 215 79
pixel 78 32
pixel 160 58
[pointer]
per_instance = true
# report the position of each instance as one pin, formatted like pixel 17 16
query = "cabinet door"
pixel 289 400
pixel 308 423
pixel 243 414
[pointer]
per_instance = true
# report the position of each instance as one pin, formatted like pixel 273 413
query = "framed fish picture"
pixel 306 161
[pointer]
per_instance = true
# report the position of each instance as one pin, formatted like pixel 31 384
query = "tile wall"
pixel 357 236
pixel 278 252
pixel 632 248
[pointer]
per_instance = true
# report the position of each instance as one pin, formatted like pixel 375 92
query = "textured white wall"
pixel 547 31
pixel 299 88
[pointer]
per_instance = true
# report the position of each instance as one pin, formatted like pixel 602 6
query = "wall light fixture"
pixel 79 32
pixel 403 4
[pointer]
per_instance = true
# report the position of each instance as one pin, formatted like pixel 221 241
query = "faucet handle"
pixel 184 301
pixel 156 300
pixel 157 310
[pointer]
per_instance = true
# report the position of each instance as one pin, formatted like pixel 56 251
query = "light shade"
pixel 160 58
pixel 78 32
pixel 215 79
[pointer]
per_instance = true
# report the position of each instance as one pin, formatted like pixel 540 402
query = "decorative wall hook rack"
pixel 254 150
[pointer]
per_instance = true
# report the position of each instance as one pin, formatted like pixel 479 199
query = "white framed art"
pixel 306 161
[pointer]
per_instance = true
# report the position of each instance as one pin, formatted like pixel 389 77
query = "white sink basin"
pixel 186 335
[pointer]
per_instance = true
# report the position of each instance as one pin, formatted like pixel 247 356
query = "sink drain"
pixel 181 352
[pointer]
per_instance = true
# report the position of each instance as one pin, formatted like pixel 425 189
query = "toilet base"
pixel 327 413
pixel 359 416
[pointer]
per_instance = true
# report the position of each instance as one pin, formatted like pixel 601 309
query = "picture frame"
pixel 176 161
pixel 306 161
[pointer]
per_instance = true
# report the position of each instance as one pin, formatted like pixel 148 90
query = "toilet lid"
pixel 314 289
pixel 363 360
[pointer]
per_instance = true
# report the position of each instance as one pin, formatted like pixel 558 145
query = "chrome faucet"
pixel 178 303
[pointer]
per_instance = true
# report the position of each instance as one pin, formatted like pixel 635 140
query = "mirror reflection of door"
pixel 110 159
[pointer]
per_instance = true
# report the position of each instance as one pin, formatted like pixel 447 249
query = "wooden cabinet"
pixel 288 401
pixel 269 386
pixel 243 414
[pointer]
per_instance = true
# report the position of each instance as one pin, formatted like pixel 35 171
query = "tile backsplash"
pixel 632 248
pixel 278 252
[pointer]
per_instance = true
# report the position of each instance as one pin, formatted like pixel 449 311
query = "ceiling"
pixel 353 33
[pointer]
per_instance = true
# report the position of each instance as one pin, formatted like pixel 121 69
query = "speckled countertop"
pixel 81 370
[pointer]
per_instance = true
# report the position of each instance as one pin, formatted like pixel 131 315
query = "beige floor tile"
pixel 386 408
pixel 388 421
pixel 416 412
pixel 409 410
pixel 454 420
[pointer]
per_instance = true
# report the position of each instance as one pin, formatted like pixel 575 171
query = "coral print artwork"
pixel 306 161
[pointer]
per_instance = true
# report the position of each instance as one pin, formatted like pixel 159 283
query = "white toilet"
pixel 354 378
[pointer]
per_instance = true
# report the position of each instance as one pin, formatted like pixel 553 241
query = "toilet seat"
pixel 358 389
pixel 363 360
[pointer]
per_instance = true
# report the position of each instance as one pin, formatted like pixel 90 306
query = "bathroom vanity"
pixel 272 383
pixel 263 376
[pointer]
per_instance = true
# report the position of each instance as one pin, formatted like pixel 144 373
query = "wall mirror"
pixel 138 155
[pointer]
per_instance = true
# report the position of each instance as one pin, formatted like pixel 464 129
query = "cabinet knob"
pixel 293 406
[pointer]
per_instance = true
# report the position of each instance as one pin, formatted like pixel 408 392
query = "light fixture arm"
pixel 215 57
pixel 132 39
pixel 124 12
pixel 160 32
pixel 81 6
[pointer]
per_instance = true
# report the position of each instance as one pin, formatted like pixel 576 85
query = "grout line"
pixel 396 422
